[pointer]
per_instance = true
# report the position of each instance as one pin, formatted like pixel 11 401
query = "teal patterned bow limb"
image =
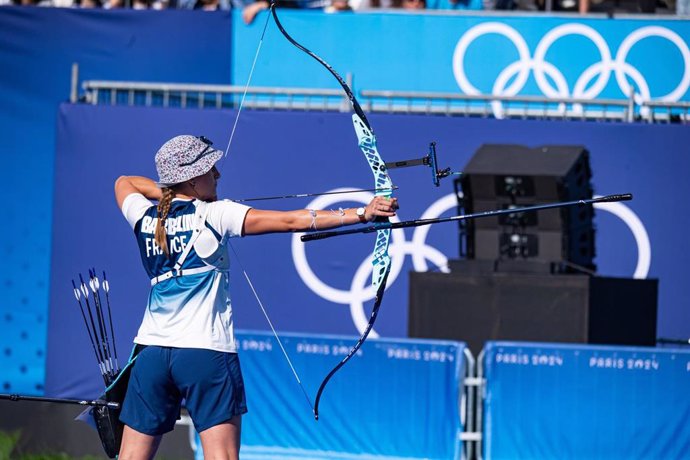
pixel 382 182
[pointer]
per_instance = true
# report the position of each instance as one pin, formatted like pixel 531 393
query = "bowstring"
pixel 237 257
pixel 270 323
pixel 246 86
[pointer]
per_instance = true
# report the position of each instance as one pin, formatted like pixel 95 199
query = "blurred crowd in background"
pixel 250 8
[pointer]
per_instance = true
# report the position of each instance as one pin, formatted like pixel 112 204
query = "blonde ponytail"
pixel 161 236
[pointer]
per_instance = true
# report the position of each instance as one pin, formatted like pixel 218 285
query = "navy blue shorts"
pixel 209 381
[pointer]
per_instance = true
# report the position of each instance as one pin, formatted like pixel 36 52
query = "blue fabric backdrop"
pixel 280 152
pixel 37 49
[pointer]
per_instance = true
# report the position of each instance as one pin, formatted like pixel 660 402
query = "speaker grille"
pixel 502 176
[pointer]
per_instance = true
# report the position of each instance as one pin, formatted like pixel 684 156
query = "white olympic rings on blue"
pixel 512 79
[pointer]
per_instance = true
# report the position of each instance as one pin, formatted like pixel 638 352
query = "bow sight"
pixel 428 160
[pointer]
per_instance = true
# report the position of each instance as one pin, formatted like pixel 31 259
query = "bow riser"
pixel 367 143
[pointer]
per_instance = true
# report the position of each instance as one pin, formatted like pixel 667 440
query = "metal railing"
pixel 429 103
pixel 471 437
pixel 668 112
pixel 212 96
pixel 497 106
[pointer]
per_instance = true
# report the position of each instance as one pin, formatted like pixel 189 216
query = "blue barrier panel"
pixel 394 399
pixel 578 401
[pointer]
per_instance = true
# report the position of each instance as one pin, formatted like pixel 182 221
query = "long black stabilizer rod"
pixel 498 212
pixel 80 402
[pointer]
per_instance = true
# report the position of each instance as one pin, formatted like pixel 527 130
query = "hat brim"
pixel 199 168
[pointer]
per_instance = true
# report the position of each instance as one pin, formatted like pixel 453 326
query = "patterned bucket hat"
pixel 183 158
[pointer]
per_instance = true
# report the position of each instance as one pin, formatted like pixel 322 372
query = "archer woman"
pixel 186 338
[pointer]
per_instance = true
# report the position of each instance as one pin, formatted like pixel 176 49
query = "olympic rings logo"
pixel 512 78
pixel 361 290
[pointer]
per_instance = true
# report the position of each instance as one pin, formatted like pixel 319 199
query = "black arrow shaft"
pixel 101 323
pixel 94 330
pixel 106 288
pixel 306 195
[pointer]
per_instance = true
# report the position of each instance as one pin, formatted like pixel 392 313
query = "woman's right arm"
pixel 126 185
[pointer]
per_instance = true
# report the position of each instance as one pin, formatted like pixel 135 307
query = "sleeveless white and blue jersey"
pixel 192 310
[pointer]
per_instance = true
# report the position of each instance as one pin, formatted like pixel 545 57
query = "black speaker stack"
pixel 510 176
pixel 529 276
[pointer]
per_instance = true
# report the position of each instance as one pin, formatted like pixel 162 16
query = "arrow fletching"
pixel 77 294
pixel 83 287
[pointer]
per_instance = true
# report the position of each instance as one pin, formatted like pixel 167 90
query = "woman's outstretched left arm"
pixel 259 221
